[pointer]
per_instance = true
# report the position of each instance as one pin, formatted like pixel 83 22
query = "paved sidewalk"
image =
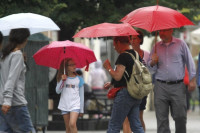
pixel 193 123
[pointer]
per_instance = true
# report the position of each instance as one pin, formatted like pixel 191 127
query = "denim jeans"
pixel 125 105
pixel 17 120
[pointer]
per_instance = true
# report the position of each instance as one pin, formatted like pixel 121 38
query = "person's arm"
pixel 198 72
pixel 15 68
pixel 116 74
pixel 81 94
pixel 60 83
pixel 152 62
pixel 192 84
pixel 59 87
pixel 190 66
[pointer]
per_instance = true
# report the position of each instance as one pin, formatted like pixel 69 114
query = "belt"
pixel 170 82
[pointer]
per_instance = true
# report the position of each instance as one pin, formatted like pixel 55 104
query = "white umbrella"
pixel 195 37
pixel 34 22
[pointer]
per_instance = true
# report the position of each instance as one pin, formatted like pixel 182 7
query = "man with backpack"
pixel 124 104
pixel 167 60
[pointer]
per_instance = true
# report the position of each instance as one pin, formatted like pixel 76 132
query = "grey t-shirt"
pixel 12 80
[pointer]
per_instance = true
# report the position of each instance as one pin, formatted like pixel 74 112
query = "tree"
pixel 73 15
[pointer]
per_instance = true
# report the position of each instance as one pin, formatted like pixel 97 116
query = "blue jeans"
pixel 125 105
pixel 17 120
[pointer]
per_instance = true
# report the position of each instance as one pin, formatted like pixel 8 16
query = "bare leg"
pixel 126 126
pixel 142 120
pixel 66 120
pixel 72 122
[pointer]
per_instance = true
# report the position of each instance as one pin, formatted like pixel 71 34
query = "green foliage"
pixel 71 15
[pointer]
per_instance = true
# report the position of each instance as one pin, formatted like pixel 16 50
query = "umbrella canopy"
pixel 195 37
pixel 106 29
pixel 153 18
pixel 34 22
pixel 52 54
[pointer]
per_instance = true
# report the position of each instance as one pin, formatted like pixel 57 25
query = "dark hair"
pixel 122 39
pixel 141 36
pixel 65 63
pixel 79 72
pixel 1 37
pixel 16 37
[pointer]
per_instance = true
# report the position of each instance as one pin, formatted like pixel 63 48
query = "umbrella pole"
pixel 64 67
pixel 156 41
pixel 106 48
pixel 64 62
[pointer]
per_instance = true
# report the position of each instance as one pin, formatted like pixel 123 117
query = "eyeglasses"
pixel 71 65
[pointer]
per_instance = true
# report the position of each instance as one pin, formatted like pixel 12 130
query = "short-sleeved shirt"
pixel 126 60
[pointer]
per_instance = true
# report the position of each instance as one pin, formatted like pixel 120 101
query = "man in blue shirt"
pixel 168 63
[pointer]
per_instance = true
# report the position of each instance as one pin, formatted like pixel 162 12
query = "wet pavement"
pixel 193 123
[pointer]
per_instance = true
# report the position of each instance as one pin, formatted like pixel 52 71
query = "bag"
pixel 112 92
pixel 140 83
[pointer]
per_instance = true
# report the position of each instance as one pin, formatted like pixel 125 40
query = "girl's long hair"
pixel 61 69
pixel 16 37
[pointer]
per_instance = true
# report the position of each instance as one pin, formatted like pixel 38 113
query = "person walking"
pixel 14 114
pixel 168 62
pixel 97 77
pixel 198 77
pixel 136 42
pixel 124 105
pixel 71 88
pixel 1 40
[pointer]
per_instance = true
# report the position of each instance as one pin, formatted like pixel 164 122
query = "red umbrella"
pixel 52 55
pixel 106 29
pixel 153 18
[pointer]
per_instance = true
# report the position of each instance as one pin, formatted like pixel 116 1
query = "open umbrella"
pixel 34 22
pixel 106 29
pixel 195 37
pixel 52 54
pixel 153 18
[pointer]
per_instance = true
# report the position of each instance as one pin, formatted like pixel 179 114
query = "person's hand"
pixel 106 64
pixel 80 115
pixel 5 108
pixel 107 85
pixel 64 77
pixel 25 57
pixel 154 58
pixel 192 85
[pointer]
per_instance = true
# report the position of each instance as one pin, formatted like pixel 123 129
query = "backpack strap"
pixel 136 58
pixel 133 57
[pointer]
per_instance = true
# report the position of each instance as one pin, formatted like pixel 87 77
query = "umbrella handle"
pixel 64 67
pixel 106 48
